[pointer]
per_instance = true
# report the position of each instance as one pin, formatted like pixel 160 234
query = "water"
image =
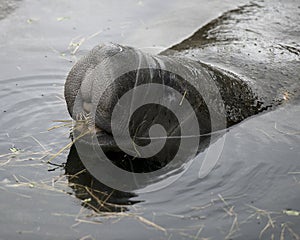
pixel 258 168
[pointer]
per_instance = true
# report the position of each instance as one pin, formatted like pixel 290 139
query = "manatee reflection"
pixel 93 194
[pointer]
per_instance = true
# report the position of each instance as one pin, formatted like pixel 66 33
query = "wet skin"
pixel 253 61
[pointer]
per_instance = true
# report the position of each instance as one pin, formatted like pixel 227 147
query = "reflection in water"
pixel 94 194
pixel 100 175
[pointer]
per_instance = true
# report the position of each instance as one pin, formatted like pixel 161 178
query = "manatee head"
pixel 129 97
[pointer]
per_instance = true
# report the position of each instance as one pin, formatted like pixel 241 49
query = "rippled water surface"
pixel 253 191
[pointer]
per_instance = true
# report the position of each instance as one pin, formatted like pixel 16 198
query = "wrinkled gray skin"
pixel 92 73
pixel 250 53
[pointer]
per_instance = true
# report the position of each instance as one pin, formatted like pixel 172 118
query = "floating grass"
pixel 70 124
pixel 75 44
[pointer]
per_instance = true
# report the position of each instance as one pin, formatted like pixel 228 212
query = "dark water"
pixel 256 178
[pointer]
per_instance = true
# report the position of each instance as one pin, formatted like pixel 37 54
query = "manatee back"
pixel 260 42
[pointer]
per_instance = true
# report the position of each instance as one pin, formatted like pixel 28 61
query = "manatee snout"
pixel 89 88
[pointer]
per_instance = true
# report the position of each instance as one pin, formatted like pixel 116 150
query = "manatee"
pixel 242 63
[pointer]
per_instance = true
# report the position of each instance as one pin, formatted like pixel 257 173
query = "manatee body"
pixel 236 66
